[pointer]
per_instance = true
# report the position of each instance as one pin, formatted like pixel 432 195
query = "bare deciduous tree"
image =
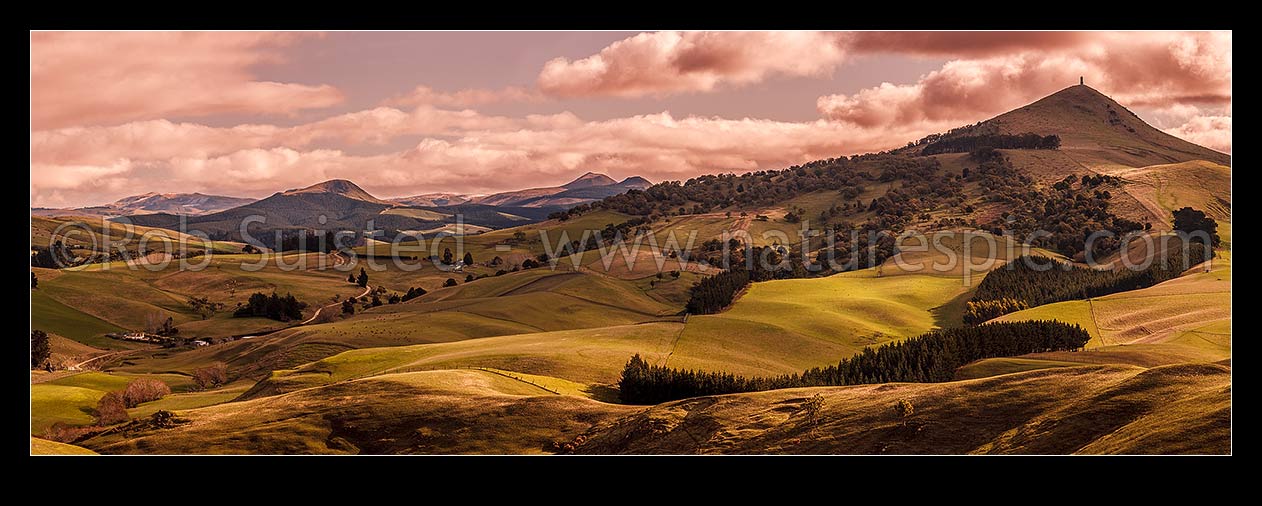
pixel 142 390
pixel 211 376
pixel 111 409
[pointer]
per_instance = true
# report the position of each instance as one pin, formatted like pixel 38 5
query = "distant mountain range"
pixel 589 187
pixel 342 201
pixel 432 199
pixel 342 205
pixel 191 204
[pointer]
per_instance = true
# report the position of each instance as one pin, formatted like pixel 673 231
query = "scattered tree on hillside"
pixel 468 279
pixel 363 278
pixel 308 240
pixel 449 282
pixel 812 407
pixel 211 376
pixel 111 409
pixel 413 293
pixel 1060 218
pixel 250 249
pixel 348 307
pixel 350 278
pixel 56 256
pixel 204 307
pixel 903 409
pixel 394 298
pixel 468 258
pixel 447 256
pixel 142 390
pixel 274 306
pixel 168 328
pixel 376 300
pixel 1189 221
pixel 34 281
pixel 40 349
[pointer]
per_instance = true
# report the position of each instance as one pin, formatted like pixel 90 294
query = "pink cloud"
pixel 424 95
pixel 662 63
pixel 514 154
pixel 1180 81
pixel 962 90
pixel 87 78
pixel 960 44
pixel 1143 69
pixel 1209 131
pixel 162 139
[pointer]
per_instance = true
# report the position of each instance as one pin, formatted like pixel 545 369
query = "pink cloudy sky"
pixel 249 114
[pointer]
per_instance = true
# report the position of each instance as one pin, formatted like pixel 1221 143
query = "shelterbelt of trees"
pixel 762 263
pixel 968 143
pixel 929 358
pixel 1034 281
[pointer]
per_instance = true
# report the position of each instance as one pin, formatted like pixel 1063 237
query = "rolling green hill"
pixel 46 447
pixel 1092 410
pixel 522 360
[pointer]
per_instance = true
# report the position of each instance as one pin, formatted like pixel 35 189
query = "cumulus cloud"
pixel 1180 82
pixel 989 72
pixel 1210 131
pixel 662 63
pixel 962 90
pixel 537 151
pixel 161 139
pixel 424 95
pixel 93 78
pixel 1137 69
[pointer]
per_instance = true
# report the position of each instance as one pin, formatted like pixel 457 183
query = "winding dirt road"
pixel 367 290
pixel 98 357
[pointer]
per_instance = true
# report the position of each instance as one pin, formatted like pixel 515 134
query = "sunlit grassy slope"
pixel 1092 409
pixel 46 447
pixel 418 412
pixel 1086 409
pixel 789 325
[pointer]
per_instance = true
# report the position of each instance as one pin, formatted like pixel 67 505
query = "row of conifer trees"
pixel 928 358
pixel 1031 281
